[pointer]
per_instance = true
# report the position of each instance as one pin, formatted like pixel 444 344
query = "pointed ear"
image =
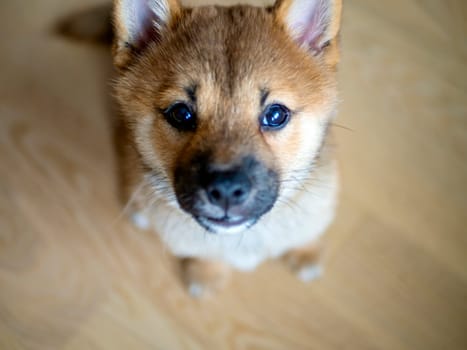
pixel 138 23
pixel 314 24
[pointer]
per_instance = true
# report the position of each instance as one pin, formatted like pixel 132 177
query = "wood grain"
pixel 74 274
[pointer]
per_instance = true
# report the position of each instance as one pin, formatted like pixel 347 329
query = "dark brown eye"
pixel 181 117
pixel 274 117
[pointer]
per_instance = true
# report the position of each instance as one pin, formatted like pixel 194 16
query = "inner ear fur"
pixel 137 23
pixel 313 25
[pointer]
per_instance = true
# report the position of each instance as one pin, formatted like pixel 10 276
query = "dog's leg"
pixel 305 261
pixel 204 277
pixel 132 186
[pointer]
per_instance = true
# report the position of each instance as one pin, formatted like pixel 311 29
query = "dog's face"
pixel 228 107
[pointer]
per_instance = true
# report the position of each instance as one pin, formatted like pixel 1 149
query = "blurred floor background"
pixel 75 275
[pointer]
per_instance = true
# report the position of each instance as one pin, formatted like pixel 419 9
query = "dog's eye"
pixel 181 117
pixel 275 116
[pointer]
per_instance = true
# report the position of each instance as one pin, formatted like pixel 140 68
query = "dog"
pixel 225 146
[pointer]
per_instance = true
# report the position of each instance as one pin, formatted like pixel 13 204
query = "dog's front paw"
pixel 140 220
pixel 203 278
pixel 310 273
pixel 305 262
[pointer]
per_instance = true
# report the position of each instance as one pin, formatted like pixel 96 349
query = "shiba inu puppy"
pixel 227 111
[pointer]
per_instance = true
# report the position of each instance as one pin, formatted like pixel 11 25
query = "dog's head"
pixel 228 107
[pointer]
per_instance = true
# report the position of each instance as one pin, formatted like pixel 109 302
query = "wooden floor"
pixel 75 275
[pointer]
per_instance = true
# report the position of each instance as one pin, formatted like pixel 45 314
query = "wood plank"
pixel 74 274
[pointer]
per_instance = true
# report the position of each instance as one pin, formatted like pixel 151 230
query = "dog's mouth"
pixel 225 225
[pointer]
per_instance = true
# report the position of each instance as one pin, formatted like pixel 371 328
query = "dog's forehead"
pixel 227 44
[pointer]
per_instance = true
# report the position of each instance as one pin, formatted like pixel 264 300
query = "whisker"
pixel 128 204
pixel 288 203
pixel 341 126
pixel 239 243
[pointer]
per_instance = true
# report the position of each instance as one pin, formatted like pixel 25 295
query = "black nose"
pixel 228 188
